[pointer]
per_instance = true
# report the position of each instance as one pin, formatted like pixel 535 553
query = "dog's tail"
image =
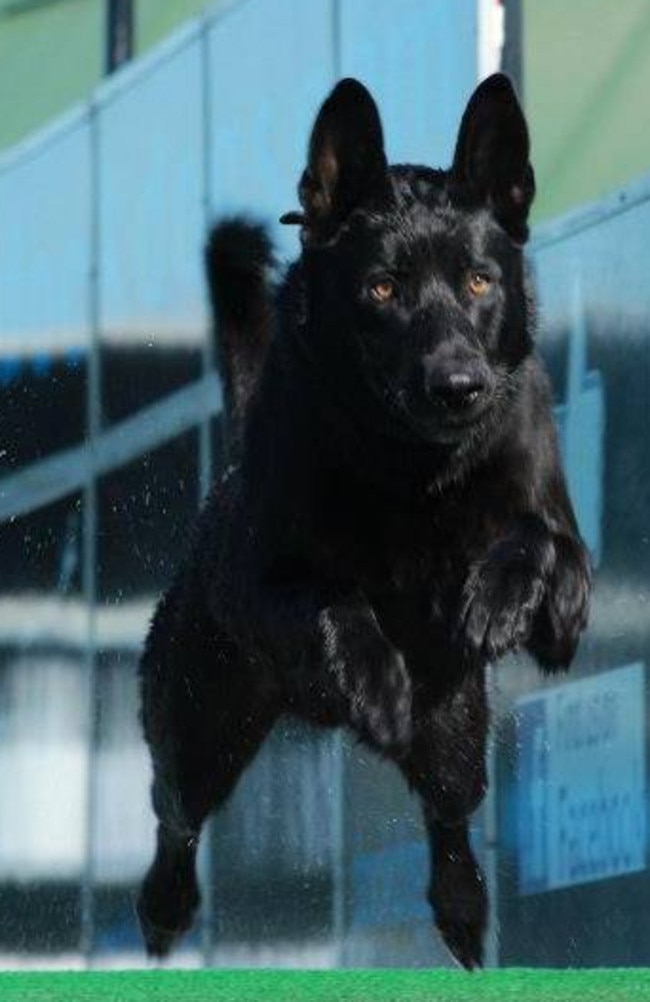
pixel 238 263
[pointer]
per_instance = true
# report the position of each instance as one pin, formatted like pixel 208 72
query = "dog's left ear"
pixel 346 163
pixel 492 154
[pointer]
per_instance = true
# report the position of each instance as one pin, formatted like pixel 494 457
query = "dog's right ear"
pixel 346 163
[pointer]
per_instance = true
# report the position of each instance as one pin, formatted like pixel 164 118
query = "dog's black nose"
pixel 454 388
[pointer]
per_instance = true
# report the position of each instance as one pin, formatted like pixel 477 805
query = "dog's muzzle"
pixel 456 386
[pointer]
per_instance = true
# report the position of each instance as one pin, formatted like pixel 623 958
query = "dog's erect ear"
pixel 492 154
pixel 346 163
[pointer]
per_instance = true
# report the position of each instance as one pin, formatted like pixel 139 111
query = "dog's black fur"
pixel 394 515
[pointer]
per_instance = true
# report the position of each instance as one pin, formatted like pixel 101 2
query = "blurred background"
pixel 126 127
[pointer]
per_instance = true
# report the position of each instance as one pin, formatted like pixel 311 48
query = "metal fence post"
pixel 93 428
pixel 206 468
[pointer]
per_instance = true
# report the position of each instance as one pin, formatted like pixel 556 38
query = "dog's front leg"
pixel 446 766
pixel 333 654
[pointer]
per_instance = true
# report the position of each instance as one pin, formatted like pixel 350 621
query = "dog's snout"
pixel 458 389
pixel 455 384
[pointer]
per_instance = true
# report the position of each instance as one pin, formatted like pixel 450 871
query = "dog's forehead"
pixel 427 215
pixel 427 227
pixel 425 208
pixel 419 224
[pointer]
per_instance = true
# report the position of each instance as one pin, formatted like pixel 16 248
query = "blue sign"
pixel 581 781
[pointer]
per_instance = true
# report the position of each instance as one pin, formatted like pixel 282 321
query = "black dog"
pixel 394 515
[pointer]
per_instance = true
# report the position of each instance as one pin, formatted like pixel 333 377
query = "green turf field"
pixel 330 986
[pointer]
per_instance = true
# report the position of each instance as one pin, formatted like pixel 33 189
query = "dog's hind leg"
pixel 203 727
pixel 446 766
pixel 188 785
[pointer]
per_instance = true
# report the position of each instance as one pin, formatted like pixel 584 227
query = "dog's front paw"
pixel 379 695
pixel 500 601
pixel 564 612
pixel 372 681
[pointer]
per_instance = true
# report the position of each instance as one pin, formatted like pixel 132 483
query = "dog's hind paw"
pixel 157 941
pixel 460 904
pixel 164 914
pixel 465 943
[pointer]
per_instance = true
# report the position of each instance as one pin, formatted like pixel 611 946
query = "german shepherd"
pixel 392 516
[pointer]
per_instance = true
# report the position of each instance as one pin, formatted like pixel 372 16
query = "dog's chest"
pixel 410 561
pixel 390 548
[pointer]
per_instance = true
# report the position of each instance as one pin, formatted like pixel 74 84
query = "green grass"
pixel 330 986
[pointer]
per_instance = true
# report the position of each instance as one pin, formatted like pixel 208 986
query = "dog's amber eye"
pixel 382 291
pixel 479 284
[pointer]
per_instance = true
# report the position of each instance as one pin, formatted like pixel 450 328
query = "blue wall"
pixel 106 437
pixel 102 219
